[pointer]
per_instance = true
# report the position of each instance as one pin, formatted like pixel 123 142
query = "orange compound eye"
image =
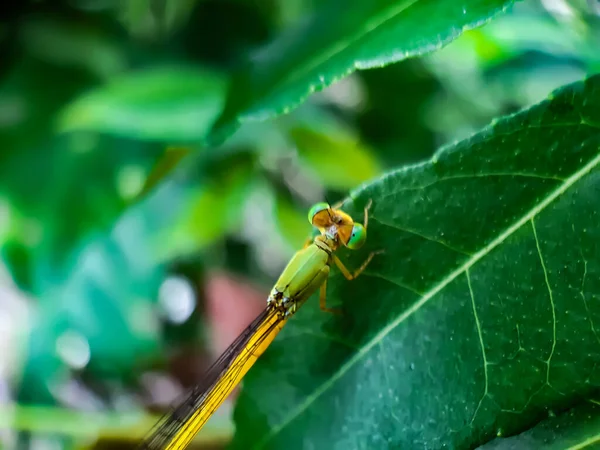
pixel 316 209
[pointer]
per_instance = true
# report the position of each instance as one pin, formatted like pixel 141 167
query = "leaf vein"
pixel 483 355
pixel 427 238
pixel 550 295
pixel 585 303
pixel 392 281
pixel 586 443
pixel 321 335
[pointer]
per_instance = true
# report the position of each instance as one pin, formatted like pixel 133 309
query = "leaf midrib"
pixel 533 212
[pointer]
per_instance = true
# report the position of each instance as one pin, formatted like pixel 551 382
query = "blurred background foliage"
pixel 115 220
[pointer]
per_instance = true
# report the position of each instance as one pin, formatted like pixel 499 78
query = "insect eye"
pixel 316 209
pixel 358 237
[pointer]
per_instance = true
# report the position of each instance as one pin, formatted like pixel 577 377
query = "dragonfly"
pixel 306 272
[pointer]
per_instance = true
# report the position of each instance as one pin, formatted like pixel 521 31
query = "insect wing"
pixel 177 428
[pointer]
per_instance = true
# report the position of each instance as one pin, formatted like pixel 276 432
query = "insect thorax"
pixel 285 306
pixel 328 242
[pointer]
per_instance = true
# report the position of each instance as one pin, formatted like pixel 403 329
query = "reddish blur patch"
pixel 231 304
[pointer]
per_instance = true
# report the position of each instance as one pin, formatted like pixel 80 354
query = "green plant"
pixel 197 141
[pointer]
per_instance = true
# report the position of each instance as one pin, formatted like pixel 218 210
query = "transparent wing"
pixel 177 428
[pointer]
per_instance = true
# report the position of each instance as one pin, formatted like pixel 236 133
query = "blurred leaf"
pixel 164 166
pixel 110 282
pixel 511 36
pixel 513 62
pixel 394 120
pixel 574 429
pixel 70 43
pixel 223 32
pixel 92 192
pixel 292 224
pixel 57 213
pixel 154 18
pixel 479 317
pixel 213 208
pixel 107 425
pixel 165 104
pixel 338 159
pixel 319 51
pixel 29 159
pixel 19 307
pixel 27 106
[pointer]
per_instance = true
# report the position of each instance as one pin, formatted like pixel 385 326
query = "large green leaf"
pixel 482 314
pixel 341 37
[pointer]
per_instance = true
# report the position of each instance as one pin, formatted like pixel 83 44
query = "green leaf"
pixel 153 19
pixel 334 153
pixel 481 315
pixel 67 43
pixel 132 426
pixel 173 104
pixel 574 429
pixel 213 208
pixel 339 161
pixel 338 39
pixel 164 166
pixel 292 224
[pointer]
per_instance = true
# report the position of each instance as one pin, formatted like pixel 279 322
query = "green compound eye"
pixel 358 237
pixel 316 209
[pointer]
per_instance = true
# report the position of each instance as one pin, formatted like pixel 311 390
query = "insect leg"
pixel 352 275
pixel 366 214
pixel 322 300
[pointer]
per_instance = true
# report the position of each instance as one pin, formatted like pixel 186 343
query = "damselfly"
pixel 306 273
